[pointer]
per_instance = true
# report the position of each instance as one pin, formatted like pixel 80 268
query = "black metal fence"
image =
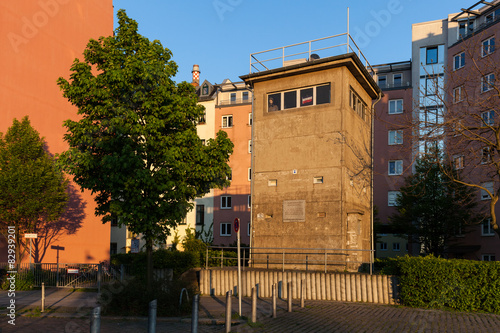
pixel 67 275
pixel 314 259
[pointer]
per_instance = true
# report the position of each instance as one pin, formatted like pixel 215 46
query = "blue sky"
pixel 220 35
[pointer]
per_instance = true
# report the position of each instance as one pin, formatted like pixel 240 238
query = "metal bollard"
pixel 228 311
pixel 122 272
pixel 254 305
pixel 95 320
pixel 289 297
pixel 302 292
pixel 274 300
pixel 194 313
pixel 43 296
pixel 153 305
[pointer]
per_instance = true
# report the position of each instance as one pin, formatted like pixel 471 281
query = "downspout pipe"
pixel 372 147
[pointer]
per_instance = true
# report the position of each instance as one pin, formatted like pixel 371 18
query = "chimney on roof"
pixel 196 76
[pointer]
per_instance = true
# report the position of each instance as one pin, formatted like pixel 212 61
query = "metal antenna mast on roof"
pixel 348 36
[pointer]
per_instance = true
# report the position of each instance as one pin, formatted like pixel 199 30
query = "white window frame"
pixel 431 85
pixel 248 229
pixel 228 120
pixel 489 187
pixel 396 247
pixel 250 146
pixel 245 94
pixel 488 46
pixel 487 82
pixel 468 27
pixel 458 162
pixel 395 137
pixel 392 197
pixel 460 57
pixel 394 80
pixel 249 174
pixel 250 119
pixel 383 246
pixel 228 226
pixel 488 118
pixel 398 167
pixel 385 80
pixel 488 257
pixel 458 94
pixel 249 201
pixel 394 106
pixel 486 228
pixel 225 203
pixel 486 155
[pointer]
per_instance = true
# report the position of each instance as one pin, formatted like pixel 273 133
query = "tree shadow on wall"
pixel 69 223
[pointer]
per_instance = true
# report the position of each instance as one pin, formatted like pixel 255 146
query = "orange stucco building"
pixel 40 40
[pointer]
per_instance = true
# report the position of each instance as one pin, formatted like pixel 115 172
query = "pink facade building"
pixel 40 40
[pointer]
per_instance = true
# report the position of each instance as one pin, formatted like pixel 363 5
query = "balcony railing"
pixel 234 101
pixel 394 85
pixel 306 51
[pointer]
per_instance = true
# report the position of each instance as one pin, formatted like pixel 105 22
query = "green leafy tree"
pixel 432 208
pixel 33 191
pixel 136 146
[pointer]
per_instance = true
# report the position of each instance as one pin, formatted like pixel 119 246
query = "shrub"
pixel 24 281
pixel 131 298
pixel 137 262
pixel 464 285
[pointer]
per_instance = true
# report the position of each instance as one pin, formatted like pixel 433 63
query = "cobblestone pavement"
pixel 321 316
pixel 317 317
pixel 70 325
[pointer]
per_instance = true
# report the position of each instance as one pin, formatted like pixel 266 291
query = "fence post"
pixel 99 274
pixel 152 316
pixel 57 273
pixel 95 320
pixel 289 297
pixel 228 311
pixel 43 296
pixel 194 313
pixel 221 258
pixel 325 260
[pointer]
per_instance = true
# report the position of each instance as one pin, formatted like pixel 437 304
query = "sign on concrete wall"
pixel 294 210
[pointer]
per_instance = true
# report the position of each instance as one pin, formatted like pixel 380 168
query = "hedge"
pixel 463 285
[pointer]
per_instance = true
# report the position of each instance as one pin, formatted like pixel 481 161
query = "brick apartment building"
pixel 453 68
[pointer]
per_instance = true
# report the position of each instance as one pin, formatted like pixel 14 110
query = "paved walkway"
pixel 72 308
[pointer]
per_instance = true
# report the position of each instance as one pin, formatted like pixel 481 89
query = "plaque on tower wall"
pixel 294 210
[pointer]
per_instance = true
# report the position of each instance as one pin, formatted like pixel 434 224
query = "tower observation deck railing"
pixel 306 51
